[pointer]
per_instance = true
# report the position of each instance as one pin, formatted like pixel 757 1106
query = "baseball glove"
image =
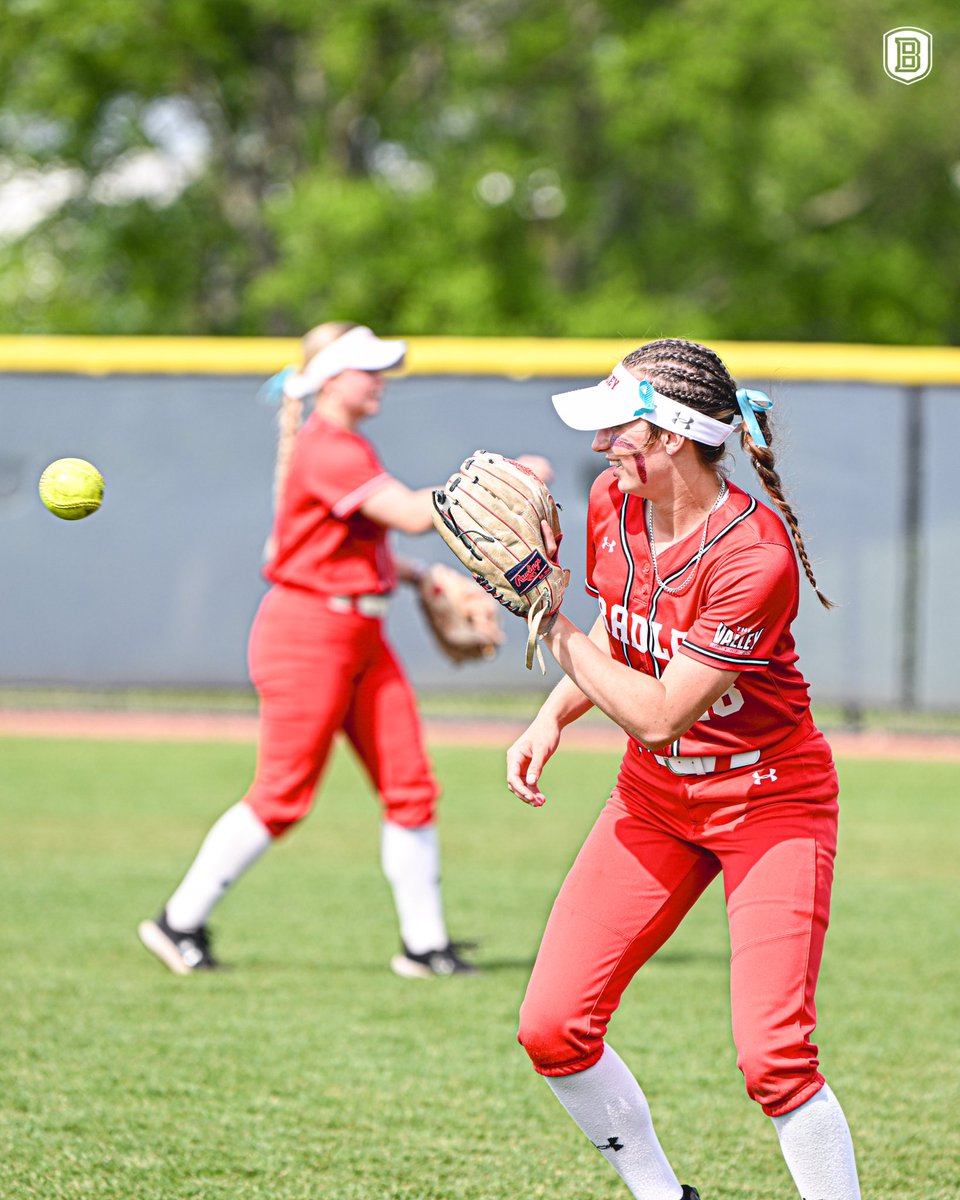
pixel 489 514
pixel 465 622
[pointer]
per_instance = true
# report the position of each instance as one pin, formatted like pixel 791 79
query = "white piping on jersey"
pixel 658 592
pixel 631 571
pixel 729 658
pixel 751 507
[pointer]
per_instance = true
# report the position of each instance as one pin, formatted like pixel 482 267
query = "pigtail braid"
pixel 288 425
pixel 763 463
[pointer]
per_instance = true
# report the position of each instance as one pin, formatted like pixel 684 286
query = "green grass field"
pixel 311 1071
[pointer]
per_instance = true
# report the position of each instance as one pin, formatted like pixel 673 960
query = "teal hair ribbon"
pixel 751 402
pixel 647 401
pixel 271 392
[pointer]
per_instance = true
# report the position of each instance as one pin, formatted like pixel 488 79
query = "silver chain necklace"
pixel 721 496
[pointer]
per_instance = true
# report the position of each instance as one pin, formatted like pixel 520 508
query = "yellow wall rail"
pixel 513 357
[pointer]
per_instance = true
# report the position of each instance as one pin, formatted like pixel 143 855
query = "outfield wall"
pixel 158 589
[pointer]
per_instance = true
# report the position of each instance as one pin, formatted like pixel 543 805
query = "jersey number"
pixel 730 702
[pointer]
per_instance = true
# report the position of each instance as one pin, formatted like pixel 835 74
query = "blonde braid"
pixel 291 408
pixel 763 463
pixel 288 425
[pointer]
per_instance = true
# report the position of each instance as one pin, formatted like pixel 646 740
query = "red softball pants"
pixel 771 831
pixel 318 672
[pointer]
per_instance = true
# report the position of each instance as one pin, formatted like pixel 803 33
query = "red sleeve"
pixel 597 492
pixel 749 601
pixel 341 471
pixel 591 555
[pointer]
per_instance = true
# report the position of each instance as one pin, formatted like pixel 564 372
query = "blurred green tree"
pixel 542 167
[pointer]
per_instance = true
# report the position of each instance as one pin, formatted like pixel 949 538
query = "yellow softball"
pixel 71 488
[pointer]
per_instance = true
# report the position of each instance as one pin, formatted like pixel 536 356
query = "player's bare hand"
pixel 527 757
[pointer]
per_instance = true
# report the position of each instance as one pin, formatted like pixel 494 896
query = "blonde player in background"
pixel 724 772
pixel 320 662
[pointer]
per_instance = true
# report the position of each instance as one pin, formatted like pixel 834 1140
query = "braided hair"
pixel 696 376
pixel 291 407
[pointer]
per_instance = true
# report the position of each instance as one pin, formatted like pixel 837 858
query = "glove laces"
pixel 539 622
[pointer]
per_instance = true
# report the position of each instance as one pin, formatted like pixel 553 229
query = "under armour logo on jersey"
pixel 608 544
pixel 760 776
pixel 680 419
pixel 612 1144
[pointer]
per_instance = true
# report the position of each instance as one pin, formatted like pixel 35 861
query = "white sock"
pixel 816 1144
pixel 234 843
pixel 608 1105
pixel 411 863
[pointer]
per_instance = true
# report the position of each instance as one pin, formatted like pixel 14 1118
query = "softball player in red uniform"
pixel 724 772
pixel 321 664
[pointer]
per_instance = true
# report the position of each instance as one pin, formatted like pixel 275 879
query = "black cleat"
pixel 433 963
pixel 689 1193
pixel 182 950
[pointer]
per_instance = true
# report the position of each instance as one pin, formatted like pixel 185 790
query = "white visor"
pixel 621 398
pixel 358 349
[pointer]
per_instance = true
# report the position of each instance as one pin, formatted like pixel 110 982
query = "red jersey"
pixel 322 541
pixel 735 614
